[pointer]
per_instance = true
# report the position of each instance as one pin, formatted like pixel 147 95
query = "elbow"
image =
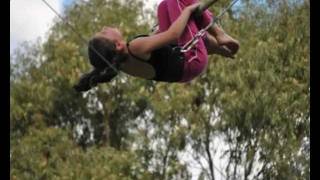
pixel 174 35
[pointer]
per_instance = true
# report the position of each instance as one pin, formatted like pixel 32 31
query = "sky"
pixel 31 19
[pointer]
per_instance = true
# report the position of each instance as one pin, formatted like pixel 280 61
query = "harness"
pixel 201 33
pixel 167 61
pixel 189 45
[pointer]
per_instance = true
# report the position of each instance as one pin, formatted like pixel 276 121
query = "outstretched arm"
pixel 146 45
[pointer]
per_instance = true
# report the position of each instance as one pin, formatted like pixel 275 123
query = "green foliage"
pixel 51 154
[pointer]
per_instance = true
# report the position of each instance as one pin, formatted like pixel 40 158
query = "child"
pixel 158 56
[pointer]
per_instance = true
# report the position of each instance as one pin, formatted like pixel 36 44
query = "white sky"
pixel 30 19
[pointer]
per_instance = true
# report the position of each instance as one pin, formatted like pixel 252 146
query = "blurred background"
pixel 246 118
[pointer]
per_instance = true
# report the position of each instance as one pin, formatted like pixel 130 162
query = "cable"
pixel 189 45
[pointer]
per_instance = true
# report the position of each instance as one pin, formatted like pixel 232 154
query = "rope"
pixel 189 45
pixel 81 37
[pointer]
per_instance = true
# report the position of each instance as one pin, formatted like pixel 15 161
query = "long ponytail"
pixel 93 78
pixel 101 72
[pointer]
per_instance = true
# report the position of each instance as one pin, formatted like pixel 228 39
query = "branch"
pixel 207 147
pixel 247 171
pixel 165 160
pixel 236 160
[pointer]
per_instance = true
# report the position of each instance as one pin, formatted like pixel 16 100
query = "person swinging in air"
pixel 158 56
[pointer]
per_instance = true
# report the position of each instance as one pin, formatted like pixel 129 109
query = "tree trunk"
pixel 210 160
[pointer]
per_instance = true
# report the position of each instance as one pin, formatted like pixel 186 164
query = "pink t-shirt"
pixel 196 59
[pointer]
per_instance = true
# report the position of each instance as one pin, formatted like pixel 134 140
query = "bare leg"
pixel 224 39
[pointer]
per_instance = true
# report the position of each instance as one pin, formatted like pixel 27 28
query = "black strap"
pixel 130 52
pixel 167 61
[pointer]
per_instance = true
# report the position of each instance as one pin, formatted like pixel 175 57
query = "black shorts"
pixel 168 63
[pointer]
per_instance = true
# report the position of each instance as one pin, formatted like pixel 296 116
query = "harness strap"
pixel 189 45
pixel 130 52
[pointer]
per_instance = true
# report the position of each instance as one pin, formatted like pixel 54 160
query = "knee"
pixel 162 6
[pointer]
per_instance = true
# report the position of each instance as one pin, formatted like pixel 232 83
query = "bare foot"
pixel 226 40
pixel 224 51
pixel 214 48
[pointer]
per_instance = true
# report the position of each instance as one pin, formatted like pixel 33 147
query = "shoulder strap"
pixel 135 37
pixel 128 42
